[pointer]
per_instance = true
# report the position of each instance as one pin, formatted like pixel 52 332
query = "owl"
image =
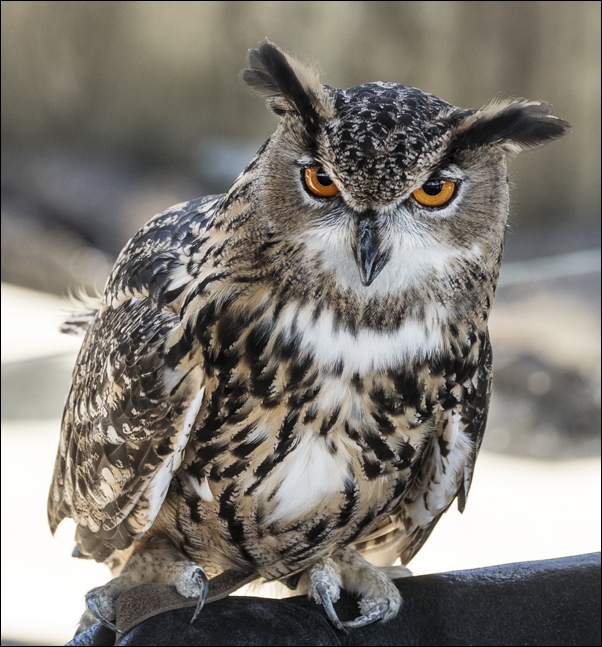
pixel 290 381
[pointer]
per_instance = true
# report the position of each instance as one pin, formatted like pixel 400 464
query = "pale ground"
pixel 517 510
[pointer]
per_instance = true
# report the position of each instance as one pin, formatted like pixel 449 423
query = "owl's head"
pixel 370 176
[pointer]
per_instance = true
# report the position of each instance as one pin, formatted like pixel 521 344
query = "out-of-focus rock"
pixel 49 257
pixel 66 215
pixel 546 385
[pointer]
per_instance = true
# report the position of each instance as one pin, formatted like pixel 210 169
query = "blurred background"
pixel 113 111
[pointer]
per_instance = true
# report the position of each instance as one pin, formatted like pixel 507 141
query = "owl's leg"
pixel 379 597
pixel 325 585
pixel 154 560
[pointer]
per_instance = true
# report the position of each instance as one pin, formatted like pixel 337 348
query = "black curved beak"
pixel 369 253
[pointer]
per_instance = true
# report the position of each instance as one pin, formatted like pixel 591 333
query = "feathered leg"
pixel 154 560
pixel 347 569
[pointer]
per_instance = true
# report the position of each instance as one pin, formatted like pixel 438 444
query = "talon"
pixel 325 599
pixel 377 612
pixel 93 606
pixel 293 581
pixel 203 583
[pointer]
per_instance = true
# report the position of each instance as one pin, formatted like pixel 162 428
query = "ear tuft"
pixel 287 85
pixel 511 125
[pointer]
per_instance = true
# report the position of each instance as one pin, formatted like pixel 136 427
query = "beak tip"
pixel 366 280
pixel 370 268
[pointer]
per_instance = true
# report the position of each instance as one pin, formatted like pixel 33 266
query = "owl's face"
pixel 383 185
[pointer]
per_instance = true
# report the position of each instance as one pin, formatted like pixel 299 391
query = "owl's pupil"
pixel 323 177
pixel 433 187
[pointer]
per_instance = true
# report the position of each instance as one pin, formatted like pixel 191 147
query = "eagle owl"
pixel 291 380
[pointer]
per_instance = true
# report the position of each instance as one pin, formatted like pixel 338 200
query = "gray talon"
pixel 377 612
pixel 293 581
pixel 94 608
pixel 325 599
pixel 203 584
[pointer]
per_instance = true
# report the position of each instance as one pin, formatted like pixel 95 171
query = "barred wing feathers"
pixel 131 404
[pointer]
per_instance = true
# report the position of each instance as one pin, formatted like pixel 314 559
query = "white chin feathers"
pixel 413 255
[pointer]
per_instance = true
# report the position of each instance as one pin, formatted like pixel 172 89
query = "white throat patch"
pixel 367 350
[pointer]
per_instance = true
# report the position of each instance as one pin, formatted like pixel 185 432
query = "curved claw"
pixel 94 608
pixel 203 583
pixel 376 613
pixel 293 581
pixel 325 599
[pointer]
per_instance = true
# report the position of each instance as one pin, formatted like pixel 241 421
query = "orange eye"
pixel 319 182
pixel 435 193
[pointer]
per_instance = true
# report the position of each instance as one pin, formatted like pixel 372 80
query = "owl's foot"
pixel 157 563
pixel 192 583
pixel 325 588
pixel 99 607
pixel 379 597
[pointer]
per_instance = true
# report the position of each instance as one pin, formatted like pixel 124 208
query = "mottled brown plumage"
pixel 274 377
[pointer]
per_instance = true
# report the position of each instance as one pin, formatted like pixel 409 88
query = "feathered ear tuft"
pixel 287 85
pixel 511 125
